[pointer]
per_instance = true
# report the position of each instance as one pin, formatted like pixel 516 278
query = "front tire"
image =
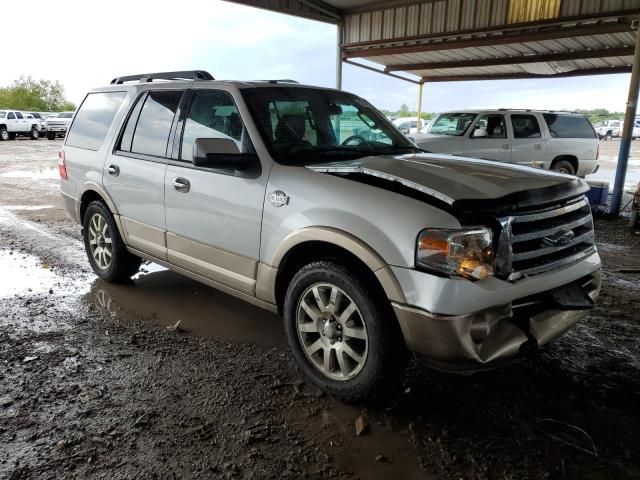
pixel 340 334
pixel 4 135
pixel 51 136
pixel 35 134
pixel 107 253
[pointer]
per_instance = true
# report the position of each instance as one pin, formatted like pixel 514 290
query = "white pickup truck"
pixel 14 123
pixel 57 126
pixel 609 129
pixel 559 141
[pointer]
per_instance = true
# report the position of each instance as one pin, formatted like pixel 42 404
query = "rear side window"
pixel 93 119
pixel 569 126
pixel 154 125
pixel 19 115
pixel 525 126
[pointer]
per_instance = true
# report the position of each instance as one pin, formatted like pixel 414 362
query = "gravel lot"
pixel 94 385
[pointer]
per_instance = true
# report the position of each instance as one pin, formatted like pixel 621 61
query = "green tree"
pixel 404 110
pixel 37 95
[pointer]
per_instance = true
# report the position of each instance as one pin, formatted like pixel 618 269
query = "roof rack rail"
pixel 149 77
pixel 280 80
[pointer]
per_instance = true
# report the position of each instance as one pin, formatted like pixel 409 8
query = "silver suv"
pixel 369 248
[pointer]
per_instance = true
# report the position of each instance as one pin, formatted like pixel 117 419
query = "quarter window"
pixel 93 119
pixel 568 126
pixel 525 126
pixel 154 125
pixel 127 136
pixel 213 114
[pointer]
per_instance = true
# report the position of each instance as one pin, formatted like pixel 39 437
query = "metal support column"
pixel 627 130
pixel 339 57
pixel 419 122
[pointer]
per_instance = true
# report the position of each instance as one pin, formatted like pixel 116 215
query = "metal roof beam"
pixel 310 9
pixel 372 69
pixel 491 62
pixel 489 39
pixel 518 76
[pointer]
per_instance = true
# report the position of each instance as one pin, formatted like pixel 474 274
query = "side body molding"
pixel 268 269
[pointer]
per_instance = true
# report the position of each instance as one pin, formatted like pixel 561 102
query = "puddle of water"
pixel 21 274
pixel 167 297
pixel 27 208
pixel 37 174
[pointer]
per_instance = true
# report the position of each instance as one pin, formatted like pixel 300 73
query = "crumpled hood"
pixel 452 179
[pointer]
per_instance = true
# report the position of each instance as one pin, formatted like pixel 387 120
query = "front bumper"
pixel 467 342
pixel 57 129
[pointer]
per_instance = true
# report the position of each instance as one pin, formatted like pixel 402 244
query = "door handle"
pixel 113 170
pixel 506 146
pixel 538 146
pixel 181 184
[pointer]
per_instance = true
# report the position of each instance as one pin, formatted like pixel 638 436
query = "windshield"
pixel 452 123
pixel 308 125
pixel 65 115
pixel 2 114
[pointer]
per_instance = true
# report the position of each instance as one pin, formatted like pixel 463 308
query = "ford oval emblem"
pixel 278 198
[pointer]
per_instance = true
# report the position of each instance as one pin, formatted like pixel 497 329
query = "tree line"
pixel 33 95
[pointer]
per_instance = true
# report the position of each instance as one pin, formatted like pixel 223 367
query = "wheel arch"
pixel 322 243
pixel 572 159
pixel 91 192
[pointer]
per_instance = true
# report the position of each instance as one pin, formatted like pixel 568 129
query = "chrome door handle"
pixel 537 146
pixel 181 184
pixel 113 170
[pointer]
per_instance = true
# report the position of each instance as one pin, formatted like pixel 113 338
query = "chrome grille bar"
pixel 536 242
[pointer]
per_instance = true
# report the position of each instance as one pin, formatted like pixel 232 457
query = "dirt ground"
pixel 94 385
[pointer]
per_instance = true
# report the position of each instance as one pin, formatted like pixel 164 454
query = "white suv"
pixel 369 248
pixel 14 123
pixel 560 141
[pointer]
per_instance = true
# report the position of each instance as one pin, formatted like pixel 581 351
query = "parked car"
pixel 57 126
pixel 559 141
pixel 609 129
pixel 370 249
pixel 406 124
pixel 42 128
pixel 14 123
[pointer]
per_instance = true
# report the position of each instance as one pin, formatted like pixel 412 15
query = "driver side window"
pixel 352 126
pixel 494 125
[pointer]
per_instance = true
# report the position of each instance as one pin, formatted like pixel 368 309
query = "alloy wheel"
pixel 331 331
pixel 100 241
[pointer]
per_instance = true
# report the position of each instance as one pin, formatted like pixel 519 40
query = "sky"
pixel 95 41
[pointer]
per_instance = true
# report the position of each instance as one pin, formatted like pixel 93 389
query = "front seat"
pixel 290 129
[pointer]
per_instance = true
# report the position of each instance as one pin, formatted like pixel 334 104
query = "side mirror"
pixel 222 154
pixel 479 133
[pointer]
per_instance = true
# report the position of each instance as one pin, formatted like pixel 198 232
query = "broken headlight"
pixel 464 253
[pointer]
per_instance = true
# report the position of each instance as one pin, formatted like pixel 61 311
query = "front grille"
pixel 56 124
pixel 536 242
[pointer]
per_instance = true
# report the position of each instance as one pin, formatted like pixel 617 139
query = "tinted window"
pixel 93 120
pixel 11 116
pixel 19 115
pixel 65 115
pixel 154 125
pixel 127 136
pixel 494 126
pixel 2 114
pixel 525 126
pixel 568 126
pixel 212 115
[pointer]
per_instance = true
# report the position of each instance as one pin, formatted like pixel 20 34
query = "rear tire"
pixel 340 334
pixel 51 136
pixel 107 253
pixel 4 135
pixel 563 166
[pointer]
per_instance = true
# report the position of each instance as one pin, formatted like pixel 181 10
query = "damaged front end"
pixel 485 339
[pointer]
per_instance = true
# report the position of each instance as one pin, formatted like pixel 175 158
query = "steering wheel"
pixel 359 139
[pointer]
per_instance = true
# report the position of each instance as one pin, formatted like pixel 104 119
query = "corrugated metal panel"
pixel 442 16
pixel 521 11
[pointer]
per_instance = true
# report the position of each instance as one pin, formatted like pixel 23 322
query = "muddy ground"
pixel 94 385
